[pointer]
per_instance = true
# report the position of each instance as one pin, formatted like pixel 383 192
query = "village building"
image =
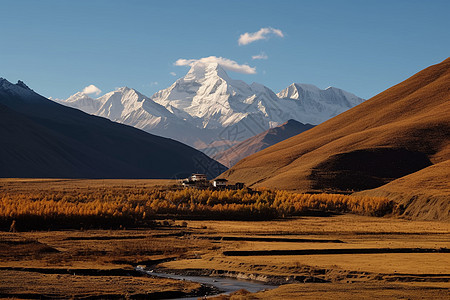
pixel 220 182
pixel 196 181
pixel 199 181
pixel 198 177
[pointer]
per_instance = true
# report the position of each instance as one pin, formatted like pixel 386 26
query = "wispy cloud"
pixel 262 55
pixel 262 34
pixel 92 89
pixel 225 63
pixel 173 73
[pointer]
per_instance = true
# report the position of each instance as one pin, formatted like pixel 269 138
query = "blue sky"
pixel 59 47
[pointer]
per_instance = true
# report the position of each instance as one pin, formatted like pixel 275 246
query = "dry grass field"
pixel 90 263
pixel 84 264
pixel 340 255
pixel 33 185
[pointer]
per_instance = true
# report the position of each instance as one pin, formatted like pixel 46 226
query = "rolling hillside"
pixel 397 132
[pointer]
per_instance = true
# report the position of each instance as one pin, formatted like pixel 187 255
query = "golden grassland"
pixel 33 285
pixel 89 264
pixel 97 263
pixel 355 291
pixel 132 205
pixel 353 231
pixel 22 185
pixel 80 255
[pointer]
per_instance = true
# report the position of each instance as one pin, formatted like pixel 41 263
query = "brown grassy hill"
pixel 423 195
pixel 397 132
pixel 232 155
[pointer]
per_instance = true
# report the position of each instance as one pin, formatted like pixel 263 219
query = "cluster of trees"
pixel 133 207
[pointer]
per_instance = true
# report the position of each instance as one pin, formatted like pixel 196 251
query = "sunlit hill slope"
pixel 397 132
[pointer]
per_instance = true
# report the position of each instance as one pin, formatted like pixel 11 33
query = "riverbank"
pixel 96 264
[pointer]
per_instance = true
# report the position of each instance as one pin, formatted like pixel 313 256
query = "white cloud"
pixel 92 89
pixel 173 73
pixel 154 83
pixel 262 55
pixel 262 34
pixel 225 63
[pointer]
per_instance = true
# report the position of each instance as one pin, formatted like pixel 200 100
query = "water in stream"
pixel 226 285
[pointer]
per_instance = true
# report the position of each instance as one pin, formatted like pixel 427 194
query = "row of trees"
pixel 141 207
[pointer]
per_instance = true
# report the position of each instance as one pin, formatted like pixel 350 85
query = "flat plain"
pixel 341 255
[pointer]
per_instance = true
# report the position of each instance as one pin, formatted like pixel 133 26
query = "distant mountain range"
pixel 397 142
pixel 206 106
pixel 260 141
pixel 40 138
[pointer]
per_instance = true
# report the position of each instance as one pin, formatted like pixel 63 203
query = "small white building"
pixel 220 182
pixel 198 177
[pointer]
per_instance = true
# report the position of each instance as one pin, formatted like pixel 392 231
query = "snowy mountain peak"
pixel 19 89
pixel 81 101
pixel 77 96
pixel 201 71
pixel 124 105
pixel 295 90
pixel 125 89
pixel 309 93
pixel 206 106
pixel 209 98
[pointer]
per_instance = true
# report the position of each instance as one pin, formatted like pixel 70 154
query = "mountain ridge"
pixel 41 138
pixel 208 106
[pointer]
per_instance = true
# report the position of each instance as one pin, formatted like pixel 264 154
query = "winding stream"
pixel 226 285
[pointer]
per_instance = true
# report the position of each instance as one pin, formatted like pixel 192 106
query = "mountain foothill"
pixel 304 138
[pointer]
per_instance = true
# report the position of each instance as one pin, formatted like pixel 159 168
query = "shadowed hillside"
pixel 422 195
pixel 40 138
pixel 397 132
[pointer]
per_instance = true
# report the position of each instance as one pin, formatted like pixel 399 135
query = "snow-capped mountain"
pixel 320 105
pixel 124 105
pixel 82 102
pixel 209 98
pixel 20 89
pixel 128 106
pixel 207 106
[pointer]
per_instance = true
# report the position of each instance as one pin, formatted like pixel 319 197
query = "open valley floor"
pixel 346 256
